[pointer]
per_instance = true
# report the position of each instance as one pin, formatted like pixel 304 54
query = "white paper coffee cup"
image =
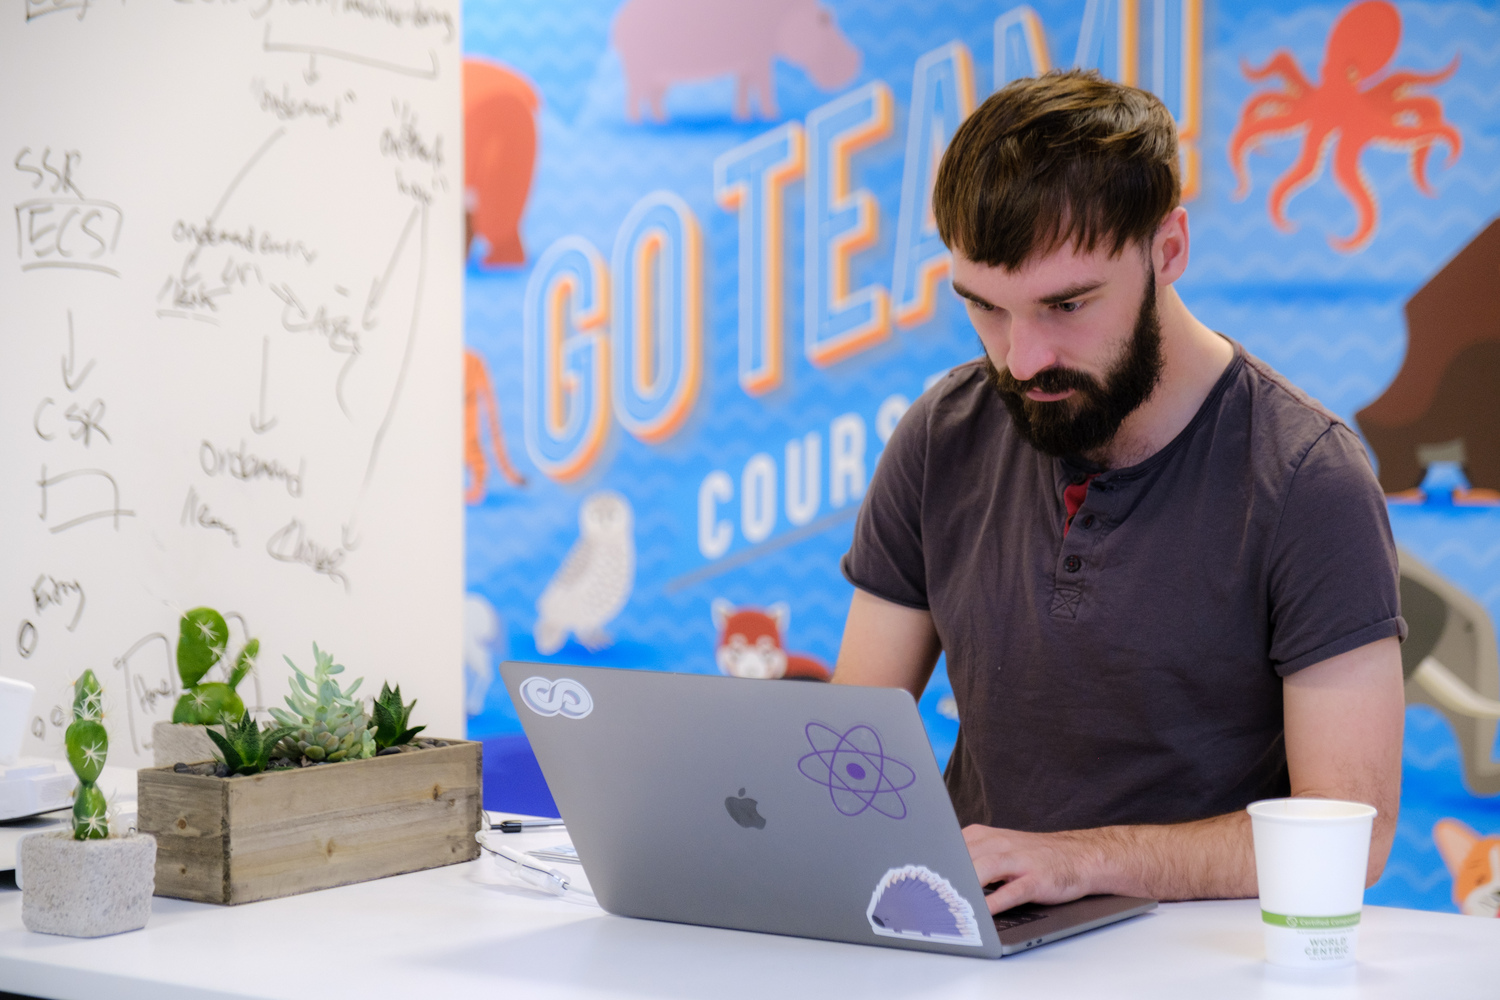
pixel 1311 856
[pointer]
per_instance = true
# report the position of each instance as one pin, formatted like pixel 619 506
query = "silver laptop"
pixel 815 810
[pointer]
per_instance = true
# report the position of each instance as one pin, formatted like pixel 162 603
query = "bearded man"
pixel 1163 577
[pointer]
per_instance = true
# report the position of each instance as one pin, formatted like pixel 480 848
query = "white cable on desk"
pixel 527 870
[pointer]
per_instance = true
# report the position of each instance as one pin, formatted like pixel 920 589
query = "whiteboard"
pixel 230 347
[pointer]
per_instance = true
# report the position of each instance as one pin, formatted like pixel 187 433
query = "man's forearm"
pixel 1207 859
pixel 1343 735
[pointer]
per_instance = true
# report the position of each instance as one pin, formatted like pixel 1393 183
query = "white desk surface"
pixel 440 933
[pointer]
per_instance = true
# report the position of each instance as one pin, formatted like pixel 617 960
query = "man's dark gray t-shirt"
pixel 1128 670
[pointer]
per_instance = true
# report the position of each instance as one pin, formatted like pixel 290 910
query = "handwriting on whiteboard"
pixel 64 229
pixel 244 223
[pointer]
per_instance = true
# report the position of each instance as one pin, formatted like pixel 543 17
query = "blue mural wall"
pixel 703 286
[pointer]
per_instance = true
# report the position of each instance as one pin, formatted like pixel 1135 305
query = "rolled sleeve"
pixel 885 557
pixel 1333 574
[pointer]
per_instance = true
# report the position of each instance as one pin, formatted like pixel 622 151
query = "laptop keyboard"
pixel 1015 918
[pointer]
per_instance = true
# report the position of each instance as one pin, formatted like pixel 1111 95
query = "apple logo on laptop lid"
pixel 744 812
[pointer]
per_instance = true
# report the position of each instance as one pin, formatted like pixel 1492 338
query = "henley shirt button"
pixel 1072 564
pixel 1088 520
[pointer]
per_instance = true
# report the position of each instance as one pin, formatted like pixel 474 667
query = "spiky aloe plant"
pixel 88 745
pixel 390 718
pixel 201 644
pixel 246 748
pixel 328 724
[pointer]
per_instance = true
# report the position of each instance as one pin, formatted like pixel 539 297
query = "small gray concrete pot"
pixel 180 743
pixel 86 888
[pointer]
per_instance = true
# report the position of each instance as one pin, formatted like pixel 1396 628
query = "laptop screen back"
pixel 792 808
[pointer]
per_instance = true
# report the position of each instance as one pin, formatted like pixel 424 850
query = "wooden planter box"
pixel 236 840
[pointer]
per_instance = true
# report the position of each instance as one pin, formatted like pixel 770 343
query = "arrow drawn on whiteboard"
pixel 428 73
pixel 265 147
pixel 260 424
pixel 351 536
pixel 67 364
pixel 187 289
pixel 379 285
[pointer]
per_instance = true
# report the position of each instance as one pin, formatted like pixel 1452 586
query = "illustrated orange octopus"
pixel 1356 104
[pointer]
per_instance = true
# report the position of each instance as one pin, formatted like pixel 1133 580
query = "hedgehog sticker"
pixel 917 903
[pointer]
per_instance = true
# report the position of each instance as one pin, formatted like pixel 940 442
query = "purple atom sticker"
pixel 854 768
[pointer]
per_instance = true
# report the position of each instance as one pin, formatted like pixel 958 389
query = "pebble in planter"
pixel 83 882
pixel 202 643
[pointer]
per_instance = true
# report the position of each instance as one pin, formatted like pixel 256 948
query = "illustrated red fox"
pixel 750 644
pixel 1474 862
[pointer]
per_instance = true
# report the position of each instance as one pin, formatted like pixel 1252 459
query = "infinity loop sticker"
pixel 564 696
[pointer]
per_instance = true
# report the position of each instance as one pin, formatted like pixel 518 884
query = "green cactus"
pixel 390 718
pixel 246 748
pixel 201 644
pixel 88 698
pixel 88 745
pixel 328 724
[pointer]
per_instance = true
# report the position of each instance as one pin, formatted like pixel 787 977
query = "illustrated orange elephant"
pixel 499 156
pixel 479 395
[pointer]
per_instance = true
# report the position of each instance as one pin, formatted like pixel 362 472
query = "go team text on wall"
pixel 623 341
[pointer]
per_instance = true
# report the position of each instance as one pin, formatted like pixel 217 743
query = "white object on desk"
pixel 1310 861
pixel 525 868
pixel 28 787
pixel 32 786
pixel 565 853
pixel 15 705
pixel 118 784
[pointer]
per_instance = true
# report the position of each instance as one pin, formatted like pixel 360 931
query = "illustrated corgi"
pixel 1475 864
pixel 750 644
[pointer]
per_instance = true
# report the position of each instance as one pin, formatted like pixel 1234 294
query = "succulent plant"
pixel 246 747
pixel 88 745
pixel 328 724
pixel 390 718
pixel 201 644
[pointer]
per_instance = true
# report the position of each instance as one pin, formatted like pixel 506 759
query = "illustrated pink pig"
pixel 665 42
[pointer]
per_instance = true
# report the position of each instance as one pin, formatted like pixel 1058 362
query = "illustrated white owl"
pixel 595 579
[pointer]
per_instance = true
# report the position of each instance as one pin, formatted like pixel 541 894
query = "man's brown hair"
pixel 1067 157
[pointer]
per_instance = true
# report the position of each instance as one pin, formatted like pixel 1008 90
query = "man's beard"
pixel 1089 419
